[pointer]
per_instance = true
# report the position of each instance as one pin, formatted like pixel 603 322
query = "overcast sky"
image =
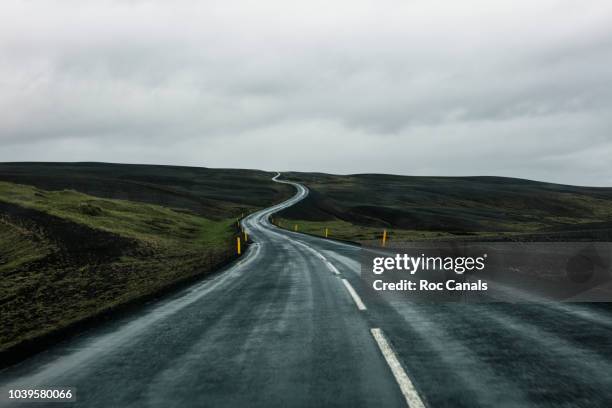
pixel 419 87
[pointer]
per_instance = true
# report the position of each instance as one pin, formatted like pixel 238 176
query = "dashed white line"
pixel 354 295
pixel 332 268
pixel 406 386
pixel 410 393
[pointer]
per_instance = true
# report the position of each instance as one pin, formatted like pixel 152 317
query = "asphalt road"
pixel 286 326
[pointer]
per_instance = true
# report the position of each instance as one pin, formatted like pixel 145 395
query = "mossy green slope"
pixel 66 256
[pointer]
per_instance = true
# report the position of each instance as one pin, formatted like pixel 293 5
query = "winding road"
pixel 285 326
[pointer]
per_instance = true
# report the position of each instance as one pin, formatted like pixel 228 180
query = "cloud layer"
pixel 516 88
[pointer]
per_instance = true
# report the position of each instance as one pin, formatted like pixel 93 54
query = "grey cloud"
pixel 514 89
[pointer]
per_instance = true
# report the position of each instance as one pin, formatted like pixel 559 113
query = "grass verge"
pixel 67 257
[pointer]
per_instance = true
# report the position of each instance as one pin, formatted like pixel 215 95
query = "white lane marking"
pixel 332 268
pixel 318 254
pixel 309 248
pixel 410 393
pixel 354 295
pixel 346 262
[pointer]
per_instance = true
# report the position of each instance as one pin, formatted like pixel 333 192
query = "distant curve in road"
pixel 286 326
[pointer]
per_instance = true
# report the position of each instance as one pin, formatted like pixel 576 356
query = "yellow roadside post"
pixel 384 238
pixel 295 227
pixel 238 245
pixel 326 232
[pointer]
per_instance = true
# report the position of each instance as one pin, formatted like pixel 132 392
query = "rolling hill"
pixel 81 240
pixel 359 207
